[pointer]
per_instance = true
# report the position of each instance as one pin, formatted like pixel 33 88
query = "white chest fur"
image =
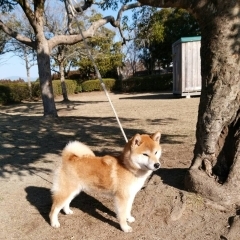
pixel 138 183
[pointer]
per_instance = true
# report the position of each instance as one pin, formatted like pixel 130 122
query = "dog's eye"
pixel 145 154
pixel 156 153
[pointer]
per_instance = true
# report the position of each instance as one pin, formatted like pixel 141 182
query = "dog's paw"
pixel 131 219
pixel 68 211
pixel 126 228
pixel 55 224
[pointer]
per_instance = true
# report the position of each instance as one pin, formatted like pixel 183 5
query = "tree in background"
pixel 159 31
pixel 132 62
pixel 26 53
pixel 106 53
pixel 62 55
pixel 66 56
pixel 3 41
pixel 44 43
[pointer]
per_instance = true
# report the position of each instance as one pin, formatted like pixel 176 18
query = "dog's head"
pixel 145 151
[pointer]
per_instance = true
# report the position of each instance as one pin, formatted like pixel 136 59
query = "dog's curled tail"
pixel 76 148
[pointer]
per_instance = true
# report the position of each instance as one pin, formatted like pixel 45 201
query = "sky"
pixel 13 66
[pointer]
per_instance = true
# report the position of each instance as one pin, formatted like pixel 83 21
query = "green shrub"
pixel 4 94
pixel 14 92
pixel 19 92
pixel 36 92
pixel 148 83
pixel 78 89
pixel 135 84
pixel 95 85
pixel 71 86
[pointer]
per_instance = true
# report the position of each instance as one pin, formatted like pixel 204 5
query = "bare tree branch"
pixel 117 23
pixel 16 35
pixel 28 12
pixel 72 39
pixel 110 19
pixel 87 4
pixel 166 3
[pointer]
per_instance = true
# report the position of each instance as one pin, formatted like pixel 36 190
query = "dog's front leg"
pixel 130 218
pixel 122 210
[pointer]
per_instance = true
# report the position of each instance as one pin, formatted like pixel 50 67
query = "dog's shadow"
pixel 40 198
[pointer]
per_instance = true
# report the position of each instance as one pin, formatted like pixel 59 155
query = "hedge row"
pixel 13 92
pixel 71 86
pixel 95 85
pixel 134 84
pixel 16 92
pixel 148 83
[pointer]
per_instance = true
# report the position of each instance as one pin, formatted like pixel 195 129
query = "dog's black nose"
pixel 156 165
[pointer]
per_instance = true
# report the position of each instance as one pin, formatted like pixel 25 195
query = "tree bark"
pixel 63 84
pixel 28 73
pixel 43 59
pixel 44 70
pixel 215 169
pixel 217 137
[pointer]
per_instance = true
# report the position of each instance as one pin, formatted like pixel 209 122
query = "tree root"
pixel 178 207
pixel 234 229
pixel 197 181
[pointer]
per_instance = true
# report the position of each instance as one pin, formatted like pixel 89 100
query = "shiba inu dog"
pixel 121 177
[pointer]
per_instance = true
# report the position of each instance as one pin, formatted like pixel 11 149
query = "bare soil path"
pixel 30 148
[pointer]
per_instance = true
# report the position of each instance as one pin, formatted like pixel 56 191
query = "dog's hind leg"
pixel 58 204
pixel 67 202
pixel 61 201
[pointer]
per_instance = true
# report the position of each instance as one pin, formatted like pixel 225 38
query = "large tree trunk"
pixel 217 149
pixel 215 169
pixel 43 59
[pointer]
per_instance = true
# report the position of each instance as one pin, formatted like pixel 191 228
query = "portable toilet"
pixel 187 66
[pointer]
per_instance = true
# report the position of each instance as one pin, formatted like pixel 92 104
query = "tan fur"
pixel 120 177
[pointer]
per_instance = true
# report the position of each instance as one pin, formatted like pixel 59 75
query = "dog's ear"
pixel 136 140
pixel 156 137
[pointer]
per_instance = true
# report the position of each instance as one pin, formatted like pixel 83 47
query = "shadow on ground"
pixel 40 198
pixel 151 96
pixel 173 177
pixel 27 139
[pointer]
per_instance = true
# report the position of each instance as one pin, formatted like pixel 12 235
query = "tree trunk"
pixel 215 169
pixel 28 73
pixel 43 60
pixel 63 84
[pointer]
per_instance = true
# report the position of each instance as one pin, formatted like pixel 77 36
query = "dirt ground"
pixel 30 148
